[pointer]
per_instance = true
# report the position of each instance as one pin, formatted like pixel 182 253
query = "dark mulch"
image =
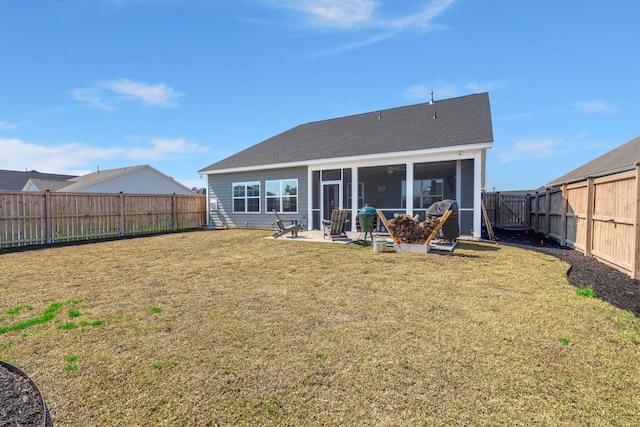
pixel 21 403
pixel 608 283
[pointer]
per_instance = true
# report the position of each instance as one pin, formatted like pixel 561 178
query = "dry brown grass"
pixel 268 332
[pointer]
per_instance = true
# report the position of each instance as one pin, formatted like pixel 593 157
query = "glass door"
pixel 331 197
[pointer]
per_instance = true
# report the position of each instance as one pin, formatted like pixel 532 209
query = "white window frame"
pixel 360 196
pixel 281 196
pixel 246 197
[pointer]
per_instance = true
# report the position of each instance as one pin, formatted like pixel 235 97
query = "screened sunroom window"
pixel 425 192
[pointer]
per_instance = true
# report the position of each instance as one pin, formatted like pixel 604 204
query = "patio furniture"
pixel 294 227
pixel 336 227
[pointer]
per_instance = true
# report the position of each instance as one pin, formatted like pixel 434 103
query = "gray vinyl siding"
pixel 220 188
pixel 466 193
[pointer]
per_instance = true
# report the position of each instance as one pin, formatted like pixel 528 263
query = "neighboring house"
pixel 16 180
pixel 397 160
pixel 35 184
pixel 131 180
pixel 621 159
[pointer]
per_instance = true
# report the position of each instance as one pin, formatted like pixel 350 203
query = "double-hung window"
pixel 282 195
pixel 246 197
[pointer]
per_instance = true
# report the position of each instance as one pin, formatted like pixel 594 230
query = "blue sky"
pixel 180 84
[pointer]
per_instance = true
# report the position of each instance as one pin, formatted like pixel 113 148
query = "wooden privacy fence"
pixel 599 216
pixel 30 218
pixel 506 210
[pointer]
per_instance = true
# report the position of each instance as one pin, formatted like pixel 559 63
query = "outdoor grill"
pixel 367 218
pixel 450 230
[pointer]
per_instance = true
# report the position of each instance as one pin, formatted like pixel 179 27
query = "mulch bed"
pixel 21 403
pixel 608 283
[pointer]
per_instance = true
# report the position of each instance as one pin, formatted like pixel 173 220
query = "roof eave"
pixel 593 175
pixel 388 157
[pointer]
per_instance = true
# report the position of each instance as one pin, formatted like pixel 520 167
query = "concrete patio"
pixel 317 236
pixel 358 238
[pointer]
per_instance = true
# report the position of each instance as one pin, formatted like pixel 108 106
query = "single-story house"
pixel 142 179
pixel 621 159
pixel 16 180
pixel 397 160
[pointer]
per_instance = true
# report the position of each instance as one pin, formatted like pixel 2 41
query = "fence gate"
pixel 509 211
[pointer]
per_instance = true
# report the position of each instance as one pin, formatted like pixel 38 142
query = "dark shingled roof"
pixel 47 184
pixel 15 180
pixel 620 159
pixel 458 121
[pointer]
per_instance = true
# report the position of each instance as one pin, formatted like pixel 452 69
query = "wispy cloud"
pixel 160 94
pixel 595 106
pixel 361 15
pixel 66 158
pixel 107 94
pixel 80 158
pixel 135 2
pixel 443 90
pixel 335 13
pixel 532 148
pixel 421 92
pixel 165 148
pixel 358 44
pixel 91 96
pixel 423 17
pixel 518 116
pixel 7 126
pixel 545 147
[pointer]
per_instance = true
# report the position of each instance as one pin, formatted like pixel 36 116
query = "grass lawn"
pixel 228 328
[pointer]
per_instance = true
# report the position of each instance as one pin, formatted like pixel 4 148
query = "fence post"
pixel 48 221
pixel 497 207
pixel 174 219
pixel 547 218
pixel 635 268
pixel 121 206
pixel 589 220
pixel 563 216
pixel 527 212
pixel 536 213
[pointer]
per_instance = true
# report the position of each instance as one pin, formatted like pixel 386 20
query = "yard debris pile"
pixel 407 229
